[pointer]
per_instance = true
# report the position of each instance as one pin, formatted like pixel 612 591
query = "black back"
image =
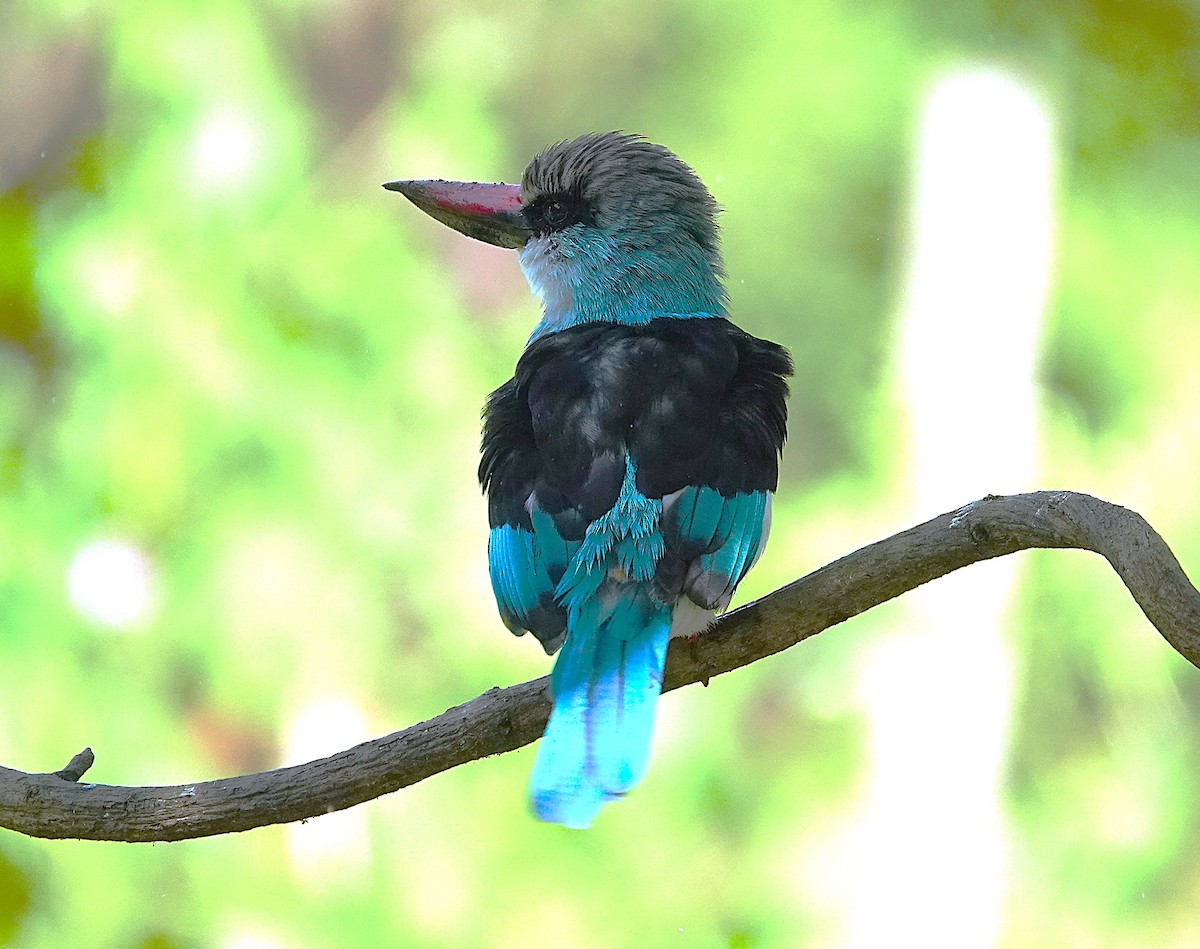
pixel 694 402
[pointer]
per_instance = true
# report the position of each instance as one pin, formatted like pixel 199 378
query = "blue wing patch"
pixel 525 567
pixel 717 538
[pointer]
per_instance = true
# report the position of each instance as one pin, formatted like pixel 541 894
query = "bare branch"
pixel 55 805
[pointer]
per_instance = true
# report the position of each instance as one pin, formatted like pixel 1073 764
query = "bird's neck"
pixel 590 286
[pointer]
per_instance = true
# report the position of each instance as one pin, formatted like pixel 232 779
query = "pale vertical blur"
pixel 931 846
pixel 332 850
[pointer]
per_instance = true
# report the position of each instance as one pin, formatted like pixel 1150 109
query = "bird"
pixel 631 460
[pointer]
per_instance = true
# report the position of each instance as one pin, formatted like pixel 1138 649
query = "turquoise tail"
pixel 605 686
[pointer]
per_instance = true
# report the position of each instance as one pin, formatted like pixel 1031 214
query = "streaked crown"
pixel 622 184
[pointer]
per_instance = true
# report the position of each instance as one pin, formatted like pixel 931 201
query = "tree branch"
pixel 55 805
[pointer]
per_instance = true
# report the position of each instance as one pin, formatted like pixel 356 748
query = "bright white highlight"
pixel 226 149
pixel 110 582
pixel 930 853
pixel 335 847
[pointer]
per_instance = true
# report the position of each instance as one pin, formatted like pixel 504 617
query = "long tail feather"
pixel 606 685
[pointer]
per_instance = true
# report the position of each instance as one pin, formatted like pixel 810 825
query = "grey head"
pixel 622 230
pixel 609 226
pixel 623 185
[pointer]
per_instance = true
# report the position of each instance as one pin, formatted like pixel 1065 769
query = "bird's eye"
pixel 555 213
pixel 551 213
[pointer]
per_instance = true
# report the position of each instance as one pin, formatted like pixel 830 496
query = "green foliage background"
pixel 270 384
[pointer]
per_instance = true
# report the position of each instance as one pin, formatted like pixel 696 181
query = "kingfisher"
pixel 630 462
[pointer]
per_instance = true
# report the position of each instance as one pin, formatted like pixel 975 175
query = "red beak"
pixel 486 212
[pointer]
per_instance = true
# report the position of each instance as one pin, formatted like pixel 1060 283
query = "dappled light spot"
pixel 226 149
pixel 111 583
pixel 111 276
pixel 245 938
